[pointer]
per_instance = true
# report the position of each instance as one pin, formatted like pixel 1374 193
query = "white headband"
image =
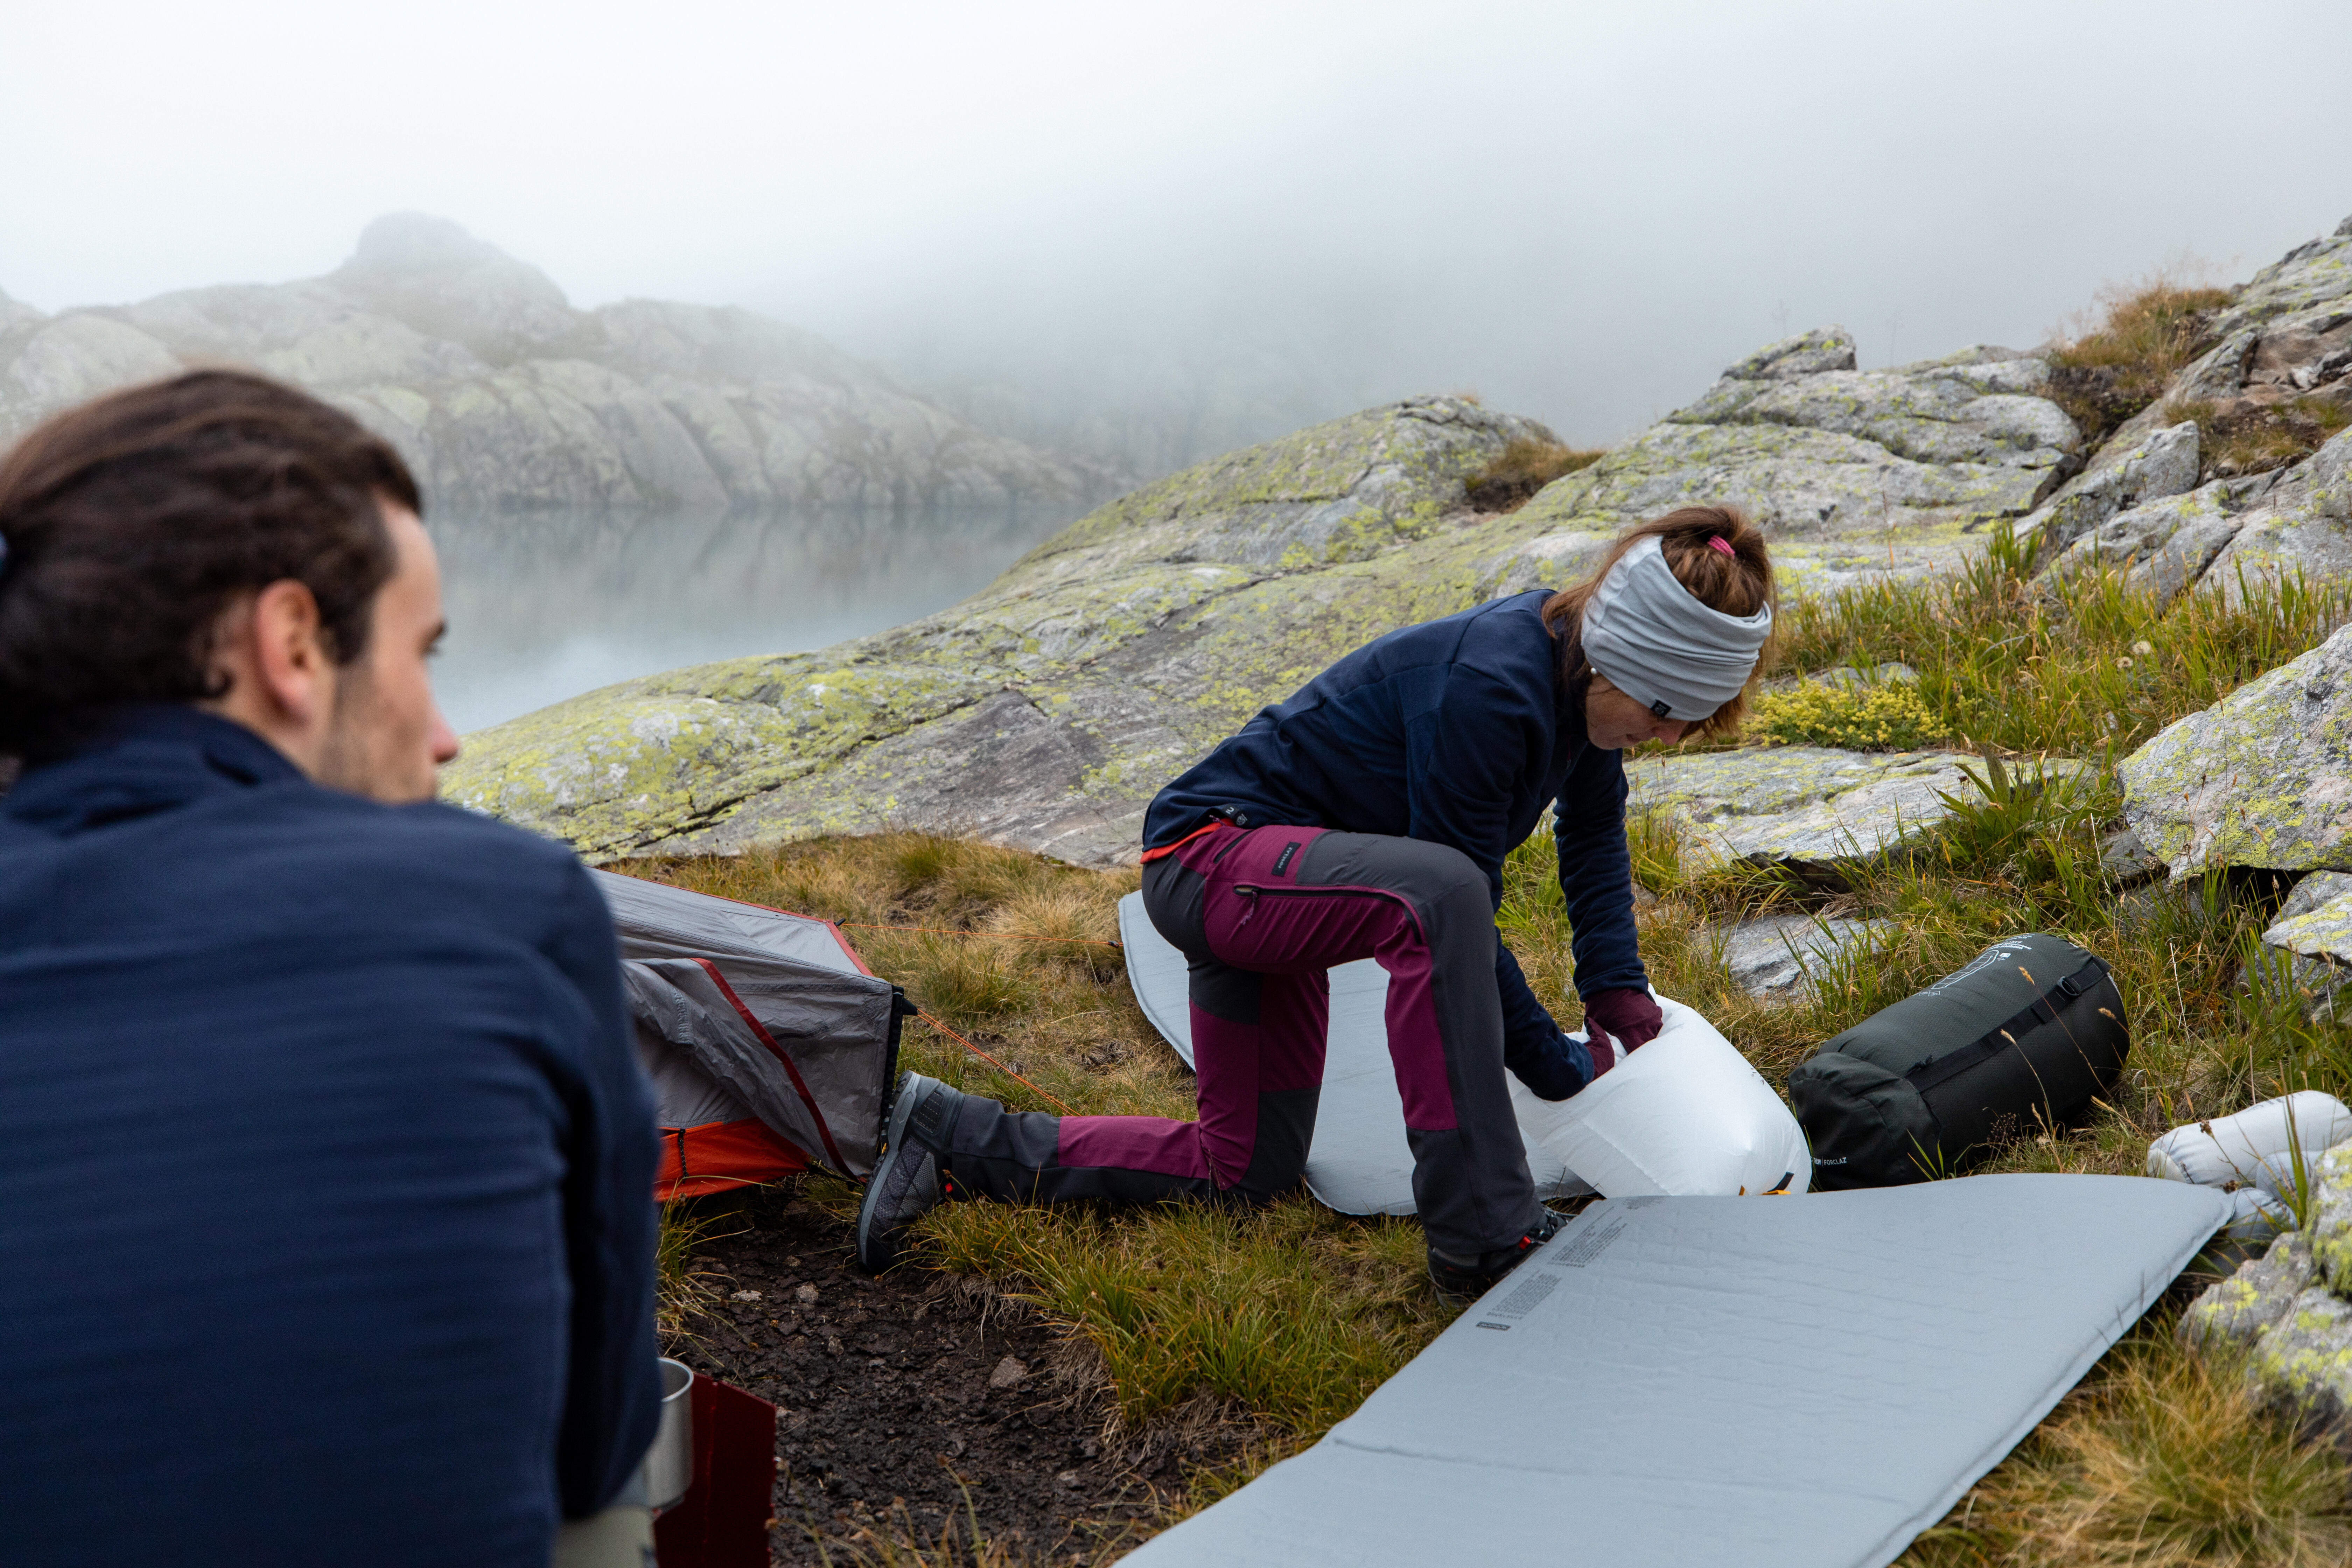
pixel 1657 644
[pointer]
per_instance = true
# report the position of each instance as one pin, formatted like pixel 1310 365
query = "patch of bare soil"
pixel 918 1401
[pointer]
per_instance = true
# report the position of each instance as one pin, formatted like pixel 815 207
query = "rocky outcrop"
pixel 1048 710
pixel 1855 474
pixel 2285 1318
pixel 1779 958
pixel 2313 935
pixel 2286 335
pixel 2163 464
pixel 1817 811
pixel 505 398
pixel 2263 778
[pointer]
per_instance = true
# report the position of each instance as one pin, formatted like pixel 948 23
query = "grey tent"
pixel 771 1047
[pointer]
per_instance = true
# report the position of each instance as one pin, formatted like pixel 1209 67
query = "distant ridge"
pixel 507 399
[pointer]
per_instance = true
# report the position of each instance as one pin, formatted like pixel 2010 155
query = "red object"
pixel 723 1521
pixel 1629 1018
pixel 1167 849
pixel 722 1157
pixel 1716 541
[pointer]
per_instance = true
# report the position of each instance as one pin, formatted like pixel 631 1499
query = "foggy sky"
pixel 1582 212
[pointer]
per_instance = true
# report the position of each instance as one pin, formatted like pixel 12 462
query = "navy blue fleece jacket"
pixel 326 1171
pixel 1454 731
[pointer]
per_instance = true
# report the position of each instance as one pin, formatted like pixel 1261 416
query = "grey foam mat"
pixel 1680 1381
pixel 1358 1162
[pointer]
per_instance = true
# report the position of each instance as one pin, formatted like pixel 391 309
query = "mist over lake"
pixel 544 606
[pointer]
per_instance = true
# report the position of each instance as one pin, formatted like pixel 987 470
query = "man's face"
pixel 385 736
pixel 1614 721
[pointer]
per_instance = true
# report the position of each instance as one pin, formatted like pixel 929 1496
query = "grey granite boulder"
pixel 2303 1363
pixel 2284 333
pixel 2239 1310
pixel 2164 463
pixel 1814 809
pixel 1855 475
pixel 2263 778
pixel 2330 1220
pixel 2298 523
pixel 2313 935
pixel 2161 546
pixel 2276 1320
pixel 1776 958
pixel 49 363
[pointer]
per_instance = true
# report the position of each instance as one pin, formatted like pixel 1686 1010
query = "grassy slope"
pixel 1284 1320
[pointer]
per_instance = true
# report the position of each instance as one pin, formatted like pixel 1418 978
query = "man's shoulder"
pixel 394 864
pixel 435 844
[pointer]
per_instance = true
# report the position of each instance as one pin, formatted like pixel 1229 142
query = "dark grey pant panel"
pixel 1015 1156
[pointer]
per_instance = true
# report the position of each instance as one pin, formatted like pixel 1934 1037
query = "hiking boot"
pixel 1464 1281
pixel 908 1183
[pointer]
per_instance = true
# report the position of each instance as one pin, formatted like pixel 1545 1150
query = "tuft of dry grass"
pixel 2255 438
pixel 680 1290
pixel 2148 333
pixel 2161 1460
pixel 1523 466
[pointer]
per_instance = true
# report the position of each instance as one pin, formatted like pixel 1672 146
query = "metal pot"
pixel 668 1468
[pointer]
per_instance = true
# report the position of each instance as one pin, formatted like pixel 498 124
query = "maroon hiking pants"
pixel 1261 914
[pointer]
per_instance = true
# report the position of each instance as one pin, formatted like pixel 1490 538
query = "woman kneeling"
pixel 1368 817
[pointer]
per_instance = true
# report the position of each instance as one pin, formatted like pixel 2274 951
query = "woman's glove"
pixel 1618 1023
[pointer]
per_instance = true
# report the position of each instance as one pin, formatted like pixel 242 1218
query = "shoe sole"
pixel 912 1091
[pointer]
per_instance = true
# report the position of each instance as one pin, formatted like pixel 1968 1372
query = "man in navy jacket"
pixel 326 1225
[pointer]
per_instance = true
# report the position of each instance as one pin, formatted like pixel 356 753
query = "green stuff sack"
pixel 2029 1033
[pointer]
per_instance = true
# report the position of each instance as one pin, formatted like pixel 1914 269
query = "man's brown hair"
pixel 1738 583
pixel 132 523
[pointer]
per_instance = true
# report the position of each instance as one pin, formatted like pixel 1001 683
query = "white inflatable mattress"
pixel 1358 1162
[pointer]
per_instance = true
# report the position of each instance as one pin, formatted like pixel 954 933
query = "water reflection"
pixel 544 607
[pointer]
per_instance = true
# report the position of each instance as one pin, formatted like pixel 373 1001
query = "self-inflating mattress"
pixel 1806 1383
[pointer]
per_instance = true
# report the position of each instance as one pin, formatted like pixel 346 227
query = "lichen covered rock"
pixel 2313 933
pixel 2263 778
pixel 2330 1226
pixel 1777 957
pixel 1048 710
pixel 1854 474
pixel 2160 546
pixel 2240 1310
pixel 2303 1361
pixel 1816 810
pixel 2163 463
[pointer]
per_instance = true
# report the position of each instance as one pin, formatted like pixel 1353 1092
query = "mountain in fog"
pixel 505 398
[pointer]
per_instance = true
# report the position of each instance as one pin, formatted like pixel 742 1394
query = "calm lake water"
pixel 544 607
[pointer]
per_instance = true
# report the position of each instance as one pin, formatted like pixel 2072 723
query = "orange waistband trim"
pixel 1167 849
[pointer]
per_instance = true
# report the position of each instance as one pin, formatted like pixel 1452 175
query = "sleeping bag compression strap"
pixel 2004 1036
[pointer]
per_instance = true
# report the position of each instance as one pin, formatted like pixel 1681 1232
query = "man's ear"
pixel 289 660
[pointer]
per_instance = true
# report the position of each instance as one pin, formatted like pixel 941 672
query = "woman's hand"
pixel 1618 1023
